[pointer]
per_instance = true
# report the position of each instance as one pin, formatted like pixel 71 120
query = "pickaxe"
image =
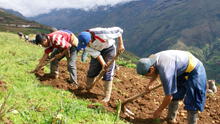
pixel 126 110
pixel 99 77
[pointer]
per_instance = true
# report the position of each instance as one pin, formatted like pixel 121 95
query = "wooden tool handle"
pixel 139 95
pixel 99 77
pixel 58 56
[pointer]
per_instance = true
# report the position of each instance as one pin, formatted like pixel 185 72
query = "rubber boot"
pixel 89 82
pixel 192 117
pixel 108 90
pixel 172 112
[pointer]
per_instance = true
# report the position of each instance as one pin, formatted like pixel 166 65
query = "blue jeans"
pixel 193 89
pixel 71 63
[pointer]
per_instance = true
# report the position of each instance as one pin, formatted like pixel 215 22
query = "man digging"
pixel 183 76
pixel 100 44
pixel 61 41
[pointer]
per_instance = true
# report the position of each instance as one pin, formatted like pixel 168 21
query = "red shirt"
pixel 58 39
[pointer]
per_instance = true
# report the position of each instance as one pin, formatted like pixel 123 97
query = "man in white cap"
pixel 183 77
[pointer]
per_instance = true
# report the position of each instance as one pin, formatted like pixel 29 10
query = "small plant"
pixel 3 107
pixel 157 121
pixel 118 107
pixel 58 118
pixel 125 63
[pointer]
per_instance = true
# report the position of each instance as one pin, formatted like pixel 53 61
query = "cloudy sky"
pixel 35 7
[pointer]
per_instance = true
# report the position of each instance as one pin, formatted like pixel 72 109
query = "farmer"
pixel 57 42
pixel 100 44
pixel 183 76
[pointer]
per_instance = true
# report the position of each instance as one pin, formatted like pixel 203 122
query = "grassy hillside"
pixel 12 23
pixel 32 103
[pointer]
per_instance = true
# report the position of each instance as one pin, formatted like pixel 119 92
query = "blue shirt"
pixel 170 64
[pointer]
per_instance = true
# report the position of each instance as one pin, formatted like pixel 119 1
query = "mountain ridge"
pixel 12 21
pixel 151 26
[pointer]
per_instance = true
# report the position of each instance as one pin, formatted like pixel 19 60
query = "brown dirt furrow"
pixel 126 84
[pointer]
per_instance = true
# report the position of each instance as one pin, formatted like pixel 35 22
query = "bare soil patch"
pixel 126 84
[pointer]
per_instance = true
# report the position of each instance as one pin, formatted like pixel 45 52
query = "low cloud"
pixel 36 7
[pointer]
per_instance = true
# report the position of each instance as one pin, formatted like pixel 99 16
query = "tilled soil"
pixel 126 84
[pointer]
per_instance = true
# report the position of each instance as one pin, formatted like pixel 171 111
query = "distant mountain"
pixel 12 23
pixel 11 11
pixel 154 25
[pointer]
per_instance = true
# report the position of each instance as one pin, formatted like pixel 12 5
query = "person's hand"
pixel 157 114
pixel 59 55
pixel 148 87
pixel 105 67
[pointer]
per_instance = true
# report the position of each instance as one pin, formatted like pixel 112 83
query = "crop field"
pixel 38 99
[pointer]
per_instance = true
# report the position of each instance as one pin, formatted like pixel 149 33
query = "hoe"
pixel 102 72
pixel 52 59
pixel 126 111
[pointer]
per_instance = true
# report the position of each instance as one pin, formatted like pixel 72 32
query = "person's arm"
pixel 152 79
pixel 94 53
pixel 84 56
pixel 102 62
pixel 121 47
pixel 42 60
pixel 166 101
pixel 150 83
pixel 65 52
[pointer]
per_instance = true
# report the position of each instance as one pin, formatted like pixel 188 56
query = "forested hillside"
pixel 154 25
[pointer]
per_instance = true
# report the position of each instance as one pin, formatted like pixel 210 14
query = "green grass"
pixel 125 63
pixel 7 18
pixel 127 59
pixel 32 103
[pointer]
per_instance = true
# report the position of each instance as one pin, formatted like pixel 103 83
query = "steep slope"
pixel 154 25
pixel 13 23
pixel 127 83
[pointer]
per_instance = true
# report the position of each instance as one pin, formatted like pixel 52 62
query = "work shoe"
pixel 107 90
pixel 192 117
pixel 172 111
